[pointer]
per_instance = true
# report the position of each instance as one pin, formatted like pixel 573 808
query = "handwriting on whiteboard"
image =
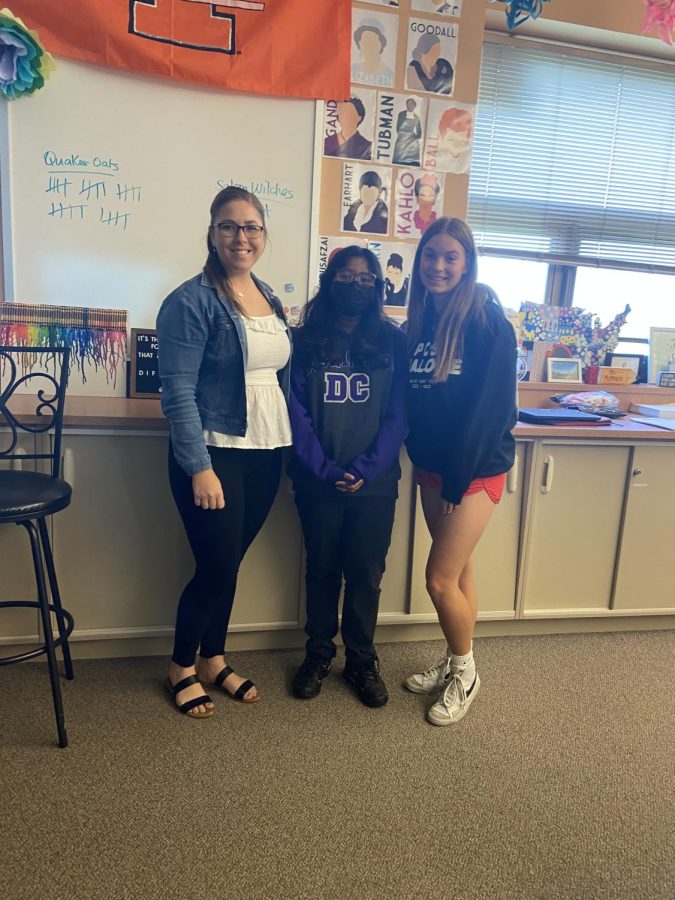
pixel 266 190
pixel 82 188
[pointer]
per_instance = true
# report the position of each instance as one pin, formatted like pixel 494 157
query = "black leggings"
pixel 219 538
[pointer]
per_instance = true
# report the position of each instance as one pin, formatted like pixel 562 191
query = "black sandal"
pixel 242 690
pixel 189 705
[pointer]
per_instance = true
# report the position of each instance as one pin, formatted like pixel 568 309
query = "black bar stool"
pixel 27 498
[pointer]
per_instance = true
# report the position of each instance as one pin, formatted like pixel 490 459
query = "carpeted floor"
pixel 557 784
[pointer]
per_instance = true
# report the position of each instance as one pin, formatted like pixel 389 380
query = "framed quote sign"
pixel 144 364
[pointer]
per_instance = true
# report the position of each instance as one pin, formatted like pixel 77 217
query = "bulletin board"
pixel 379 146
pixel 107 178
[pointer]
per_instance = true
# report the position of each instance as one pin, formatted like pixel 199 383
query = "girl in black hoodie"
pixel 461 409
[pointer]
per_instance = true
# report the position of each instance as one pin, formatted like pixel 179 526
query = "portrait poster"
pixel 396 259
pixel 366 193
pixel 373 47
pixel 399 132
pixel 438 7
pixel 447 147
pixel 328 246
pixel 419 202
pixel 431 56
pixel 349 125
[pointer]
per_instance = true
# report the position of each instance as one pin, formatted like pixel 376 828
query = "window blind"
pixel 574 160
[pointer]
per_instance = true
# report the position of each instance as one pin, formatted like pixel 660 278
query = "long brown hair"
pixel 321 340
pixel 466 301
pixel 213 266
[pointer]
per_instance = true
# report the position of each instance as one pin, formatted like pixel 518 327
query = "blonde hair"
pixel 467 300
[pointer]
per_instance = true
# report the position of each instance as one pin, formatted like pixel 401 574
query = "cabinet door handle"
pixel 548 481
pixel 512 477
pixel 68 466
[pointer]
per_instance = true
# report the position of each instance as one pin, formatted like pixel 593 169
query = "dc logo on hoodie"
pixel 338 387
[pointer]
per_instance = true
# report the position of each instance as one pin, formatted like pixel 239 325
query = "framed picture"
pixel 666 379
pixel 636 362
pixel 559 369
pixel 143 364
pixel 661 352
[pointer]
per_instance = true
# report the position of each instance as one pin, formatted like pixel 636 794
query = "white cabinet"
pixel 121 554
pixel 496 556
pixel 268 587
pixel 584 529
pixel 645 580
pixel 573 528
pixel 394 595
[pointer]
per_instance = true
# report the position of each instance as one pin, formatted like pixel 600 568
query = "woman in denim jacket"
pixel 224 351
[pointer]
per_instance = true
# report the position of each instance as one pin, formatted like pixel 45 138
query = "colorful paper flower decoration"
pixel 519 11
pixel 659 17
pixel 24 63
pixel 573 327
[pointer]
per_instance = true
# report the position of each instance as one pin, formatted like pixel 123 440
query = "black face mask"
pixel 352 299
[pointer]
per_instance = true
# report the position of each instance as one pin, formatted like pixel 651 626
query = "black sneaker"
pixel 308 678
pixel 369 686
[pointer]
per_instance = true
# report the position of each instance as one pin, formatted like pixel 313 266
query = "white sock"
pixel 451 655
pixel 465 667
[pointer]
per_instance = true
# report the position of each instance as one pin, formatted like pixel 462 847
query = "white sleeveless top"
pixel 268 424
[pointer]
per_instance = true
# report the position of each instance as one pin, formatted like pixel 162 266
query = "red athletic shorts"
pixel 493 485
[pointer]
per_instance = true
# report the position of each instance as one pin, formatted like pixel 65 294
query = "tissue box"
pixel 608 375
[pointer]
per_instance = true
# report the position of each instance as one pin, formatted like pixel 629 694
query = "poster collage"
pixel 398 148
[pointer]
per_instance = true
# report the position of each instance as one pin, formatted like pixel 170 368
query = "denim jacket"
pixel 202 362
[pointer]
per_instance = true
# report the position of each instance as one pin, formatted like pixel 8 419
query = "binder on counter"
pixel 561 417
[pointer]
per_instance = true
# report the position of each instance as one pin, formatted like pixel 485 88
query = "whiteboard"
pixel 107 179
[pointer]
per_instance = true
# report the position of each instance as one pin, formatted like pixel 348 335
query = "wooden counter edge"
pixel 119 413
pixel 116 413
pixel 617 431
pixel 123 414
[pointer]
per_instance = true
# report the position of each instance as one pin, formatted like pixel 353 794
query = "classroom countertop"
pixel 119 413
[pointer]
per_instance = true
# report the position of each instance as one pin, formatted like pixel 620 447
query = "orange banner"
pixel 288 48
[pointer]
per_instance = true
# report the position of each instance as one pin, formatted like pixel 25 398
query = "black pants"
pixel 345 534
pixel 219 538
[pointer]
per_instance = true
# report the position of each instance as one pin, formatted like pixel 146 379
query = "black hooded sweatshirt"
pixel 460 428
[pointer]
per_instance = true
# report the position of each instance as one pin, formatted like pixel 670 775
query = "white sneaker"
pixel 434 679
pixel 454 702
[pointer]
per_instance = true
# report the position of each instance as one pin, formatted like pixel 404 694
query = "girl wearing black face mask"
pixel 347 407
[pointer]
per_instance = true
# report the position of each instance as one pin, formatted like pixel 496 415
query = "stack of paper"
pixel 656 421
pixel 655 410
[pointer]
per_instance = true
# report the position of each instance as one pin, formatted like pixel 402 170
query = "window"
pixel 574 166
pixel 514 280
pixel 606 292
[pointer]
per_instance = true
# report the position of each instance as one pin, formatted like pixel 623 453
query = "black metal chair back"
pixel 32 401
pixel 48 394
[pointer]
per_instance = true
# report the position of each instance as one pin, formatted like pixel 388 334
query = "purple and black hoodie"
pixel 347 419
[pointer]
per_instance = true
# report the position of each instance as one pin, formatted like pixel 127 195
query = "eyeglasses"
pixel 231 229
pixel 365 279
